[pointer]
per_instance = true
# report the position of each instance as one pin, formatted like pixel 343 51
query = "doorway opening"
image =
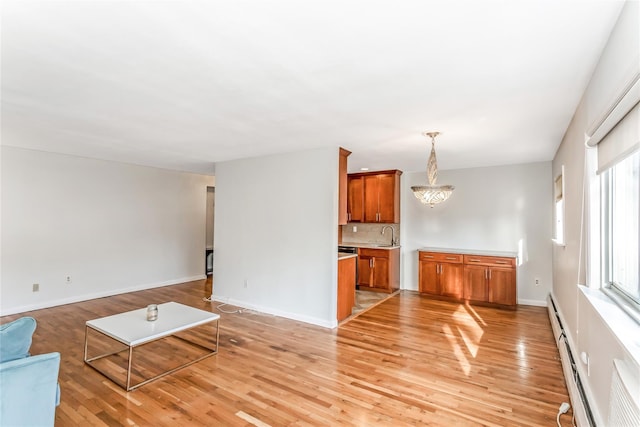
pixel 209 237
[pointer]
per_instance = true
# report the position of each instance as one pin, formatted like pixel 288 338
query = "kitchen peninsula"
pixel 346 284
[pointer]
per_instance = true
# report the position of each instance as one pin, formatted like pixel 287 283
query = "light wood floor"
pixel 407 361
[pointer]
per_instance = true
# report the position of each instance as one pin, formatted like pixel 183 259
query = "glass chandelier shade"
pixel 432 194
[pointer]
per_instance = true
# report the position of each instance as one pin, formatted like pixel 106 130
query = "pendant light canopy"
pixel 432 194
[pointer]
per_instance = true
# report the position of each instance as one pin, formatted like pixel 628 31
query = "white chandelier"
pixel 432 194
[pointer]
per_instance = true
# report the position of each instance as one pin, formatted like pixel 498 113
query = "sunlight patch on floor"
pixel 470 330
pixel 457 350
pixel 471 343
pixel 251 420
pixel 473 313
pixel 522 353
pixel 465 335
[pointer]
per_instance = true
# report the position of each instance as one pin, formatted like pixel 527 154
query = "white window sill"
pixel 626 329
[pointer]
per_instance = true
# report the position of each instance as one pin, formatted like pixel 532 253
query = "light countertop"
pixel 344 255
pixel 368 245
pixel 470 252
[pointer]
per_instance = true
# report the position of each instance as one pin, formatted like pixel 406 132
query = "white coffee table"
pixel 133 330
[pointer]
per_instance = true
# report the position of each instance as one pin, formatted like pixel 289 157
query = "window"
pixel 620 227
pixel 558 190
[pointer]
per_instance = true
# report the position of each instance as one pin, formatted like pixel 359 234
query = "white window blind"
pixel 623 139
pixel 619 170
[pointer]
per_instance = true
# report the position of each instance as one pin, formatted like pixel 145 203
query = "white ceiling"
pixel 185 84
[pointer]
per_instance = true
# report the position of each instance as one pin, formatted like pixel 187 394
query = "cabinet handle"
pixel 441 268
pixel 486 274
pixel 370 263
pixel 474 260
pixel 502 262
pixel 489 270
pixel 427 256
pixel 349 216
pixel 451 257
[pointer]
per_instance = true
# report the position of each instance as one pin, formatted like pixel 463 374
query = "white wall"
pixel 276 228
pixel 112 227
pixel 504 208
pixel 587 331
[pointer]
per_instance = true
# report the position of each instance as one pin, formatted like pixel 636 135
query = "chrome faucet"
pixel 393 240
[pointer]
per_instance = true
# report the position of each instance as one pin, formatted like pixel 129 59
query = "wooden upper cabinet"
pixel 375 197
pixel 371 190
pixel 389 197
pixel 355 199
pixel 342 187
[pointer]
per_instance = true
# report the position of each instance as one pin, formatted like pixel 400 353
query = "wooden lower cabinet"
pixel 365 270
pixel 441 278
pixel 379 269
pixel 475 283
pixel 346 287
pixel 476 279
pixel 451 280
pixel 428 278
pixel 502 286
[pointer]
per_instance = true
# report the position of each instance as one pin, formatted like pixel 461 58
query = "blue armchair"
pixel 29 391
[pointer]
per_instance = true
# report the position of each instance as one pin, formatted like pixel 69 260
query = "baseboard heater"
pixel 579 402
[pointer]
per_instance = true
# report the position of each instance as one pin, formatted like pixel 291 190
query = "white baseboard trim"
pixel 533 302
pixel 95 295
pixel 269 310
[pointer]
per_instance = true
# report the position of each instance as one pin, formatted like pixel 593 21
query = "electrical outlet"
pixel 537 282
pixel 585 359
pixel 355 229
pixel 246 283
pixel 36 287
pixel 68 279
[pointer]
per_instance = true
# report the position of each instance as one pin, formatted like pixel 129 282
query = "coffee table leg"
pixel 217 334
pixel 86 338
pixel 129 368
